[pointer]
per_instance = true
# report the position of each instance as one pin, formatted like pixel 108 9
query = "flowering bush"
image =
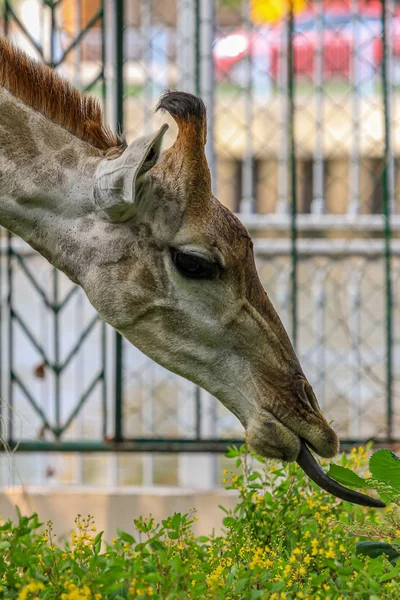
pixel 284 539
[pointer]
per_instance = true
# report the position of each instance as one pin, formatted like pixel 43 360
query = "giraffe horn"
pixel 189 112
pixel 186 159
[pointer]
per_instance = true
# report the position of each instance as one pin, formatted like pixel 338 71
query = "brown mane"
pixel 44 90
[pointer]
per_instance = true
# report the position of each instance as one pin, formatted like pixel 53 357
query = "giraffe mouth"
pixel 310 466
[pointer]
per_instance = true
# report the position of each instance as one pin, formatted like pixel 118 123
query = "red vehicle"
pixel 340 32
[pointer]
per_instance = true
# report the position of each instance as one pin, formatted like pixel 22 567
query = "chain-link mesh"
pixel 303 109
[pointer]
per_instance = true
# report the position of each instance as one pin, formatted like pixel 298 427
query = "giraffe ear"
pixel 121 183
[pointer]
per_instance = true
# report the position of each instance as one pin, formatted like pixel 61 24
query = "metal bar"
pixel 247 202
pixel 160 445
pixel 9 11
pixel 197 90
pixel 15 316
pixel 53 30
pixel 318 201
pixel 292 159
pixel 103 56
pixel 56 346
pixel 75 348
pixel 198 412
pixel 89 86
pixel 79 37
pixel 283 152
pixel 372 249
pixel 104 385
pixel 10 283
pixel 15 378
pixel 78 50
pixel 135 445
pixel 387 238
pixel 119 7
pixel 186 45
pixel 104 395
pixel 60 430
pixel 72 292
pixel 354 187
pixel 145 34
pixel 31 278
pixel 197 47
pixel 1 345
pixel 390 13
pixel 207 87
pixel 355 223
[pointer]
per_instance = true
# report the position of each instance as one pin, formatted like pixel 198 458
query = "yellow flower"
pixel 330 554
pixel 31 588
pixel 75 593
pixel 214 579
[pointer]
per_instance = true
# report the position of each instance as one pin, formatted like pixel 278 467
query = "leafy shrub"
pixel 284 539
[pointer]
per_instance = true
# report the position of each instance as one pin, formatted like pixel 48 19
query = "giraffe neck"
pixel 46 179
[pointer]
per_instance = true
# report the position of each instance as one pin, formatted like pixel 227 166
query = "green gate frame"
pixel 56 305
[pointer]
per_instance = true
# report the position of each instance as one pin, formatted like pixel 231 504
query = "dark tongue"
pixel 310 466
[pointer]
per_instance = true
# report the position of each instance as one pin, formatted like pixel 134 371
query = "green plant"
pixel 285 539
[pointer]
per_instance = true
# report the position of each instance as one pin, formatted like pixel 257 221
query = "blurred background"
pixel 303 143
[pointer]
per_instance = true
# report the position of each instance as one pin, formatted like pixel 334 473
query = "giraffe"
pixel 159 258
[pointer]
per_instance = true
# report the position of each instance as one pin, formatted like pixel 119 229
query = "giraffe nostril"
pixel 306 393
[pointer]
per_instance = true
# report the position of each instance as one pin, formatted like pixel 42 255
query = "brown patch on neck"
pixel 44 90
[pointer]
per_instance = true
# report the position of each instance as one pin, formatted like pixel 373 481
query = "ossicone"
pixel 189 112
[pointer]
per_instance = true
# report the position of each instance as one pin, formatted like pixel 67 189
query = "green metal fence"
pixel 302 144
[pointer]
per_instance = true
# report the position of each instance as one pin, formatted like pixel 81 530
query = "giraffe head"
pixel 158 256
pixel 192 299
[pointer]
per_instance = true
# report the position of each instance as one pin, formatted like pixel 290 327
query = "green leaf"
pixel 346 477
pixel 97 542
pixel 278 586
pixel 5 545
pixel 385 466
pixel 223 508
pixel 374 549
pixel 173 535
pixel 23 531
pixel 176 521
pixel 126 537
pixel 228 521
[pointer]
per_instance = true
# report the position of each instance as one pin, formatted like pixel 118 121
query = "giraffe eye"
pixel 194 266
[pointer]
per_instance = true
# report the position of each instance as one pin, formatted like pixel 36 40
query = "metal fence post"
pixel 387 228
pixel 293 174
pixel 119 119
